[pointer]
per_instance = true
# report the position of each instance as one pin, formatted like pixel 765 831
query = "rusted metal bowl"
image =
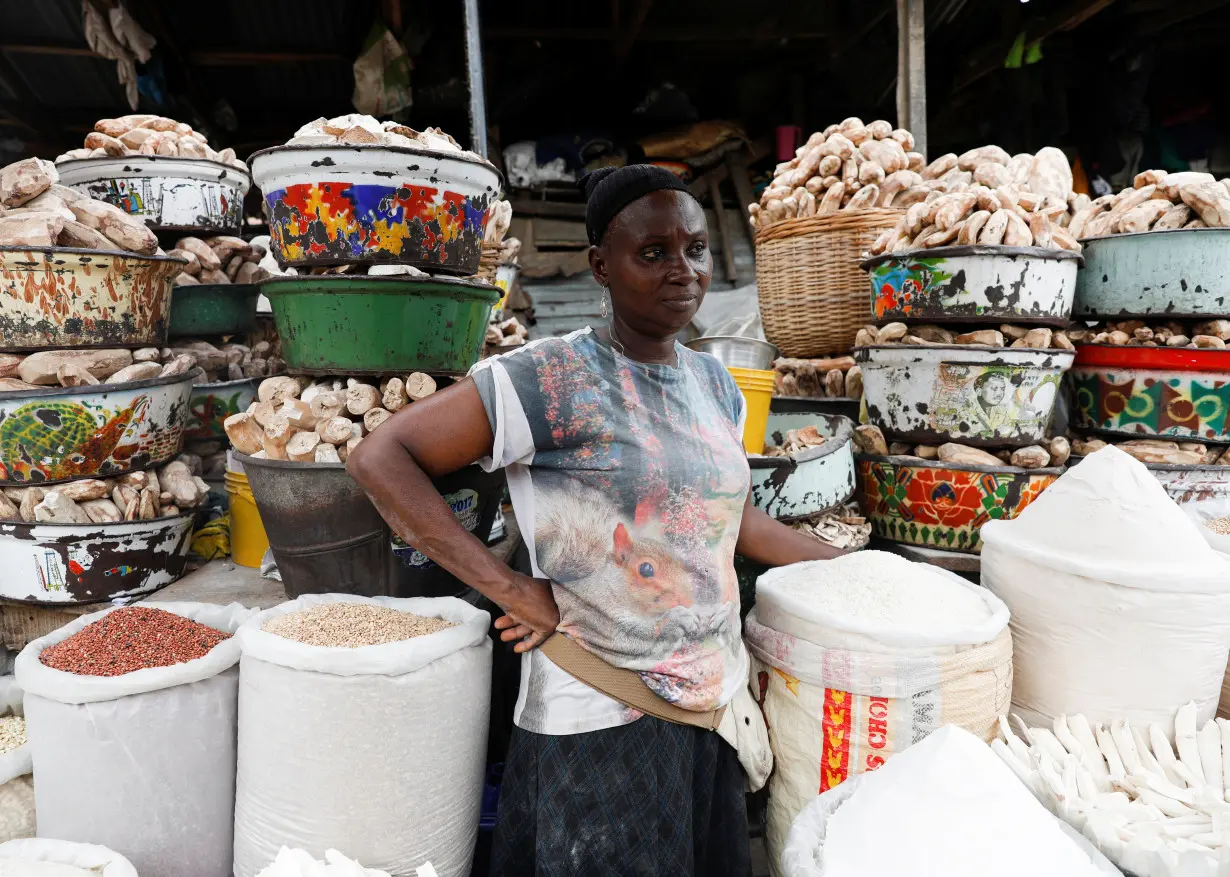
pixel 1183 272
pixel 169 193
pixel 67 433
pixel 90 563
pixel 814 481
pixel 943 505
pixel 984 396
pixel 974 284
pixel 1152 392
pixel 343 205
pixel 211 404
pixel 54 297
pixel 1183 484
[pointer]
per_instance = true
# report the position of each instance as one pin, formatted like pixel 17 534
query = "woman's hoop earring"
pixel 605 307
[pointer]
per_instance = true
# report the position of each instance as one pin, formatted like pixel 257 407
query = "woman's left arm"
pixel 770 542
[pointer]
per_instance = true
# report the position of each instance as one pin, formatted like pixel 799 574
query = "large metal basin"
pixel 169 193
pixel 974 284
pixel 212 404
pixel 327 537
pixel 1173 274
pixel 337 324
pixel 986 396
pixel 340 205
pixel 53 297
pixel 1162 392
pixel 66 433
pixel 89 563
pixel 943 505
pixel 733 351
pixel 815 481
pixel 213 309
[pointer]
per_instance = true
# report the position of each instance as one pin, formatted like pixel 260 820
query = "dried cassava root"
pixel 870 440
pixel 304 420
pixel 134 496
pixel 1158 201
pixel 1160 451
pixel 922 335
pixel 1204 334
pixel 145 134
pixel 833 378
pixel 221 259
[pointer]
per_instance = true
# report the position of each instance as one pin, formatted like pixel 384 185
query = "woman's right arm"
pixel 395 464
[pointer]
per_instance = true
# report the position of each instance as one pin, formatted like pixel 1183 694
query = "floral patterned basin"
pixel 942 505
pixel 974 284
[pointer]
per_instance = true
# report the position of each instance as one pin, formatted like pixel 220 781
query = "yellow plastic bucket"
pixel 248 540
pixel 757 389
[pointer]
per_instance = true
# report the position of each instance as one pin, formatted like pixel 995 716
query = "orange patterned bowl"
pixel 67 297
pixel 943 505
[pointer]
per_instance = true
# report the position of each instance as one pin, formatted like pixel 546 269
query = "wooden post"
pixel 725 232
pixel 912 70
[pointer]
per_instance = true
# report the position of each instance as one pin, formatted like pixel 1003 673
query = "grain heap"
pixel 145 134
pixel 130 639
pixel 1150 811
pixel 133 496
pixel 308 420
pixel 1158 201
pixel 12 733
pixel 352 625
pixel 35 211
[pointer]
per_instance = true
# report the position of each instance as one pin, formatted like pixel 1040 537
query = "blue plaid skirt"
pixel 649 799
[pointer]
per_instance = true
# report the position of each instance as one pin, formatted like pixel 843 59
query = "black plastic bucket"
pixel 328 538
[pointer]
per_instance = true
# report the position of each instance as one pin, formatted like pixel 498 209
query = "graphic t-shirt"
pixel 628 480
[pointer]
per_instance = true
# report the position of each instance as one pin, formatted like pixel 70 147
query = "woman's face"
pixel 656 262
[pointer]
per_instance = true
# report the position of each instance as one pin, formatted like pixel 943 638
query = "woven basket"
pixel 813 296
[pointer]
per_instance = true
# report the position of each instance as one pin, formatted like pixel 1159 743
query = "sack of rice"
pixel 363 727
pixel 859 658
pixel 61 858
pixel 1120 608
pixel 131 714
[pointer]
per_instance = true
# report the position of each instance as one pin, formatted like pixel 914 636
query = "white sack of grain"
pixel 1120 609
pixel 141 763
pixel 377 750
pixel 948 806
pixel 859 658
pixel 43 857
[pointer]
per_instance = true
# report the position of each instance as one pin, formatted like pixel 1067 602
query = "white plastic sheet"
pixel 378 751
pixel 141 763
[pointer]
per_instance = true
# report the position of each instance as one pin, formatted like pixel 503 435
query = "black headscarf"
pixel 609 190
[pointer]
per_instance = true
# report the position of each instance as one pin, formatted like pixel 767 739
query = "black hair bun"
pixel 590 181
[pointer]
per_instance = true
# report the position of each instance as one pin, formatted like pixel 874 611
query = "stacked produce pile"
pixel 35 211
pixel 134 496
pixel 1157 201
pixel 795 442
pixel 222 259
pixel 1007 335
pixel 1151 811
pixel 844 528
pixel 1158 451
pixel 847 166
pixel 505 333
pixel 309 420
pixel 89 368
pixel 145 134
pixel 835 378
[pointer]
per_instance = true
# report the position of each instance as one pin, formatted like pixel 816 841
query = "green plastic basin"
pixel 337 324
pixel 213 309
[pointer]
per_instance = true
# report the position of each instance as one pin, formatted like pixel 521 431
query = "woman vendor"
pixel 628 476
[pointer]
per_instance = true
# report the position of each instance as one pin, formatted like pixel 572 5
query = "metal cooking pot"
pixel 733 351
